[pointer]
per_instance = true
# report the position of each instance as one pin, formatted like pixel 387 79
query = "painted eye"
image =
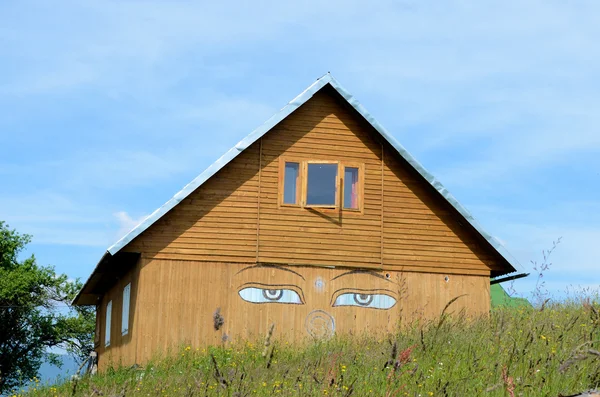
pixel 375 301
pixel 270 295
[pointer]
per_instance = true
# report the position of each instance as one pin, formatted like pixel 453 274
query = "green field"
pixel 515 351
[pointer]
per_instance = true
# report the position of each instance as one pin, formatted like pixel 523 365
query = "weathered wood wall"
pixel 173 303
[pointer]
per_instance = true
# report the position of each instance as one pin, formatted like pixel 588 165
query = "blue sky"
pixel 108 108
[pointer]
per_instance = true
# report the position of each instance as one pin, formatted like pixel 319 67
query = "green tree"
pixel 35 313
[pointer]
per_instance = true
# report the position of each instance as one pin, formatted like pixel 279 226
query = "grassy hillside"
pixel 522 351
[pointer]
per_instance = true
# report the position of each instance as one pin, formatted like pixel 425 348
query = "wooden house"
pixel 319 222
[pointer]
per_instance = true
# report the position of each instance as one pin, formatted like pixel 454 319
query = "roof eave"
pixel 86 285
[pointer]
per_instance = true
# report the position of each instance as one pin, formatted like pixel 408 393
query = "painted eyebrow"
pixel 272 267
pixel 369 272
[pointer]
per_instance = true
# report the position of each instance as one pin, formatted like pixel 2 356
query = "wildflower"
pixel 543 337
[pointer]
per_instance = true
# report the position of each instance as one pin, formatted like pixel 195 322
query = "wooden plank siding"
pixel 323 130
pixel 235 216
pixel 179 299
pixel 217 222
pixel 422 232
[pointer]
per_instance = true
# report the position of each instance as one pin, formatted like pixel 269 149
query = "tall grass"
pixel 527 351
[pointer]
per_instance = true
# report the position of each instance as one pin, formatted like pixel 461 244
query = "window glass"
pixel 98 321
pixel 290 183
pixel 107 329
pixel 321 184
pixel 351 187
pixel 125 312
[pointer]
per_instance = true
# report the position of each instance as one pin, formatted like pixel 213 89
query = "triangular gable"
pixel 327 79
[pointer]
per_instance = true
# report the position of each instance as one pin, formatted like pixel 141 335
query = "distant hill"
pixel 501 298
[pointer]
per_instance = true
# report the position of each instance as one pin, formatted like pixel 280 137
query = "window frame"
pixel 302 185
pixel 281 192
pixel 108 323
pixel 360 191
pixel 98 327
pixel 125 308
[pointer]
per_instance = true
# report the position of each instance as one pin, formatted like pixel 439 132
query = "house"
pixel 319 222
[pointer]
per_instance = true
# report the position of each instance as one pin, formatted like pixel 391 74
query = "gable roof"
pixel 294 104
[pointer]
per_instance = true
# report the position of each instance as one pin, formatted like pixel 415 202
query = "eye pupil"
pixel 363 299
pixel 272 294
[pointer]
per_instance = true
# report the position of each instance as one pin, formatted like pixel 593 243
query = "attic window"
pixel 326 185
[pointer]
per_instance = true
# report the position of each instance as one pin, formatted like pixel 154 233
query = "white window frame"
pixel 97 325
pixel 125 310
pixel 108 324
